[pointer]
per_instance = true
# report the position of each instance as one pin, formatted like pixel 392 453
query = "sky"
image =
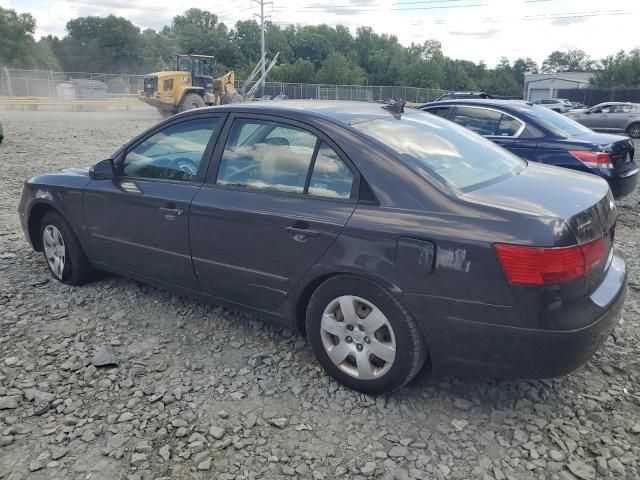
pixel 468 29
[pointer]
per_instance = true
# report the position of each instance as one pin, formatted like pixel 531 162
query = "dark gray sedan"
pixel 389 238
pixel 613 117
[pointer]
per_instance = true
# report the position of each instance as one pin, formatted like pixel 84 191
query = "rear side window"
pixel 447 153
pixel 330 177
pixel 274 156
pixel 479 120
pixel 509 126
pixel 440 111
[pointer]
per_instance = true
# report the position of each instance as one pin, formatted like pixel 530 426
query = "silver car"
pixel 614 117
pixel 560 105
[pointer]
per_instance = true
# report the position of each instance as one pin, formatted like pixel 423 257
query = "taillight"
pixel 549 265
pixel 593 159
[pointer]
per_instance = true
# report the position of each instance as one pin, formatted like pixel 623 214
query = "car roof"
pixel 339 111
pixel 482 102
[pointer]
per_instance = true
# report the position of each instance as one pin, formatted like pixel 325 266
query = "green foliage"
pixel 619 71
pixel 100 44
pixel 17 46
pixel 338 69
pixel 569 61
pixel 300 71
pixel 311 53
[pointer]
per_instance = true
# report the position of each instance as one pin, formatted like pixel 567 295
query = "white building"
pixel 546 85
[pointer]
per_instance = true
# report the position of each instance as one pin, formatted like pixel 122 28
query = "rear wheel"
pixel 191 101
pixel 62 251
pixel 634 130
pixel 363 336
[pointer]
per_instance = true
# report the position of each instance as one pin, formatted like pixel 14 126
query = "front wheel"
pixel 191 101
pixel 363 336
pixel 64 255
pixel 634 130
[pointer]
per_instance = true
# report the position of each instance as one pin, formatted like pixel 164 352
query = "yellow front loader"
pixel 191 85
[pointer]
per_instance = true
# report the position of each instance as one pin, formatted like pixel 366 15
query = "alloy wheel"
pixel 634 131
pixel 54 250
pixel 358 337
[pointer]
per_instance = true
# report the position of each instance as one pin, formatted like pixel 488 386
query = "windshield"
pixel 443 150
pixel 556 122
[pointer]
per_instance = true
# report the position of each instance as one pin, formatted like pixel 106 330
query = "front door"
pixel 138 221
pixel 280 198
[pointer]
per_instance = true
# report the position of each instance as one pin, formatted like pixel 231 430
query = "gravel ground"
pixel 204 392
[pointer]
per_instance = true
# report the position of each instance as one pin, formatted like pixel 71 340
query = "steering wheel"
pixel 249 169
pixel 182 168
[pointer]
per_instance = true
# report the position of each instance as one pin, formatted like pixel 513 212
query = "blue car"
pixel 541 135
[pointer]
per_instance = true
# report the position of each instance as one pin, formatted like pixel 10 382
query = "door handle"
pixel 301 234
pixel 171 211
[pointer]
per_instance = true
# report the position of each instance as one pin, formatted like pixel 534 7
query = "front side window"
pixel 479 120
pixel 174 153
pixel 442 151
pixel 271 156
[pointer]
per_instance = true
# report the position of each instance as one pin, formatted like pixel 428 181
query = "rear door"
pixel 138 221
pixel 279 196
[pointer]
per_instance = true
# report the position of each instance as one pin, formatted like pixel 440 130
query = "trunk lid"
pixel 583 201
pixel 621 149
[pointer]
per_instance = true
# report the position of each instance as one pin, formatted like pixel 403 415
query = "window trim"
pixel 523 125
pixel 121 156
pixel 211 177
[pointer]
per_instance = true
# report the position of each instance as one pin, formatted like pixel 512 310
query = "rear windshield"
pixel 438 148
pixel 556 122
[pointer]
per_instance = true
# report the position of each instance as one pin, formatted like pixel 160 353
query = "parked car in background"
pixel 560 105
pixel 458 95
pixel 577 106
pixel 541 135
pixel 389 237
pixel 614 117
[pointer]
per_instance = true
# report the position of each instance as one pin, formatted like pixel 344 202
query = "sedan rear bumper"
pixel 624 184
pixel 465 346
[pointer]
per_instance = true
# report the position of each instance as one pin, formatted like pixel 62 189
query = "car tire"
pixel 191 101
pixel 634 130
pixel 358 334
pixel 60 244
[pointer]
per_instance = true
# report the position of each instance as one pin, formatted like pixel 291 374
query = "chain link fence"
pixel 67 85
pixel 361 93
pixel 102 86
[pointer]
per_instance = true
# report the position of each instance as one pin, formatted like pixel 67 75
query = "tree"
pixel 101 44
pixel 338 69
pixel 523 66
pixel 17 46
pixel 569 61
pixel 158 50
pixel 198 31
pixel 300 71
pixel 619 71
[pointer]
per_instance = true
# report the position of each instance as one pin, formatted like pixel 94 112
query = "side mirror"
pixel 103 170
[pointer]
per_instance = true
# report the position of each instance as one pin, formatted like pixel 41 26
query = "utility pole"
pixel 263 50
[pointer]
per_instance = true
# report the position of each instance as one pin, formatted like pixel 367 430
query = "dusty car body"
pixel 388 237
pixel 611 117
